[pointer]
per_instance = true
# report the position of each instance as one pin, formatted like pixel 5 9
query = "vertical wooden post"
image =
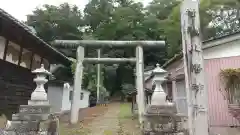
pixel 174 90
pixel 140 82
pixel 98 77
pixel 132 102
pixel 77 85
pixel 194 68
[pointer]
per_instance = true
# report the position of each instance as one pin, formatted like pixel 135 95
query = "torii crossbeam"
pixel 80 44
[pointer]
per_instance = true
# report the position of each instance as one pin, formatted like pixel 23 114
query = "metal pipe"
pixel 109 60
pixel 105 43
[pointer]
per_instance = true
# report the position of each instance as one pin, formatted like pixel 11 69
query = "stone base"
pixel 162 109
pixel 38 102
pixel 23 126
pixel 34 117
pixel 163 120
pixel 34 109
pixel 153 133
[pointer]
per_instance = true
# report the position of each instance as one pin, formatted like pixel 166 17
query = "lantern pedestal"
pixel 28 120
pixel 161 116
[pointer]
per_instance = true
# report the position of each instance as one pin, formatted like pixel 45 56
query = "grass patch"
pixel 125 110
pixel 66 129
pixel 128 122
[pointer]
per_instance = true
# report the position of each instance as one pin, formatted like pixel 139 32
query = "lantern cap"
pixel 41 70
pixel 158 69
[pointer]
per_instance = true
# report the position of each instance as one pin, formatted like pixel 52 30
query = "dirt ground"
pixel 114 119
pixel 89 114
pixel 128 121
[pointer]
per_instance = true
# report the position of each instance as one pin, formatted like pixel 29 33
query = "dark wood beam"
pixel 41 60
pixel 6 48
pixel 20 55
pixel 32 56
pixel 1 26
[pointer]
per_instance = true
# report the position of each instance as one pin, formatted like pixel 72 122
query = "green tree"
pixel 166 18
pixel 128 88
pixel 97 12
pixel 52 22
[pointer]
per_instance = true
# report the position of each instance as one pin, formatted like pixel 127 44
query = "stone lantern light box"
pixel 159 96
pixel 39 93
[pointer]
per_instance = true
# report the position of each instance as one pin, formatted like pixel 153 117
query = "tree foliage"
pixel 52 22
pixel 128 88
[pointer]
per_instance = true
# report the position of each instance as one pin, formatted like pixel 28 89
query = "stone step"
pixel 24 126
pixel 33 117
pixel 15 117
pixel 34 109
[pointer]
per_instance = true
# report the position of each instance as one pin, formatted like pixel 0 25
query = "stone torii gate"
pixel 80 44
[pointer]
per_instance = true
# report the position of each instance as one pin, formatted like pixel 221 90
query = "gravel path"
pixel 108 124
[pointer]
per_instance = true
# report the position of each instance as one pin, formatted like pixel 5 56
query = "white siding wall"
pixel 223 50
pixel 59 98
pixel 55 95
pixel 66 103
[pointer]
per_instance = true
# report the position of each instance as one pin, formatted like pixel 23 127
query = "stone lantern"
pixel 158 96
pixel 38 110
pixel 161 117
pixel 39 94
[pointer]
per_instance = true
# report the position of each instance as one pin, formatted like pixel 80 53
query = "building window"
pixel 46 63
pixel 81 96
pixel 26 58
pixel 13 52
pixel 70 95
pixel 2 46
pixel 36 63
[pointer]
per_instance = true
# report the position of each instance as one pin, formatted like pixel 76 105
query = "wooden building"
pixel 219 54
pixel 21 51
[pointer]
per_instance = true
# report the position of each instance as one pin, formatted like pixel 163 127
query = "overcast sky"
pixel 20 8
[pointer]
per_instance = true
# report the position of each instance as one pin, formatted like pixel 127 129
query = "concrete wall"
pixel 54 96
pixel 59 98
pixel 66 103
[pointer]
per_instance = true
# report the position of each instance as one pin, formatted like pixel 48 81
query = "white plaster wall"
pixel 228 49
pixel 55 97
pixel 85 101
pixel 66 103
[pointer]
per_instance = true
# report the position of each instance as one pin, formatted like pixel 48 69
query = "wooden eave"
pixel 18 32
